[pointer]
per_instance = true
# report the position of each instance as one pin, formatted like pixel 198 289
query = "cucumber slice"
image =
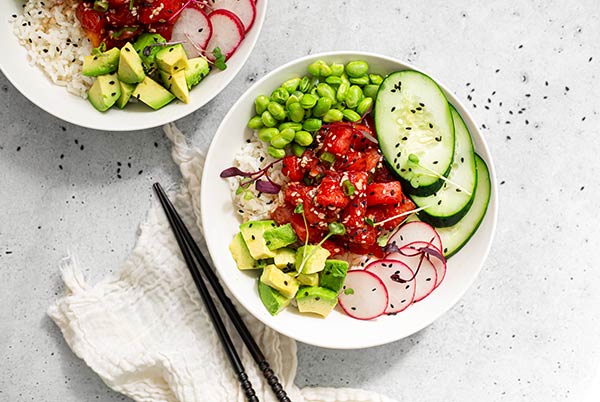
pixel 412 117
pixel 456 236
pixel 451 202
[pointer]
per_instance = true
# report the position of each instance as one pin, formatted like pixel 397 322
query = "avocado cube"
pixel 252 232
pixel 105 91
pixel 196 70
pixel 101 64
pixel 285 284
pixel 280 236
pixel 126 91
pixel 315 257
pixel 308 279
pixel 130 69
pixel 334 275
pixel 285 259
pixel 272 299
pixel 316 300
pixel 152 93
pixel 176 84
pixel 241 255
pixel 171 59
pixel 146 48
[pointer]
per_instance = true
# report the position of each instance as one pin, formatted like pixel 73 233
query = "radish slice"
pixel 192 26
pixel 227 34
pixel 244 9
pixel 364 295
pixel 410 255
pixel 393 274
pixel 425 280
pixel 415 231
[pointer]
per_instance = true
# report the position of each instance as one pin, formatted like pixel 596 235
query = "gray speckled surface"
pixel 528 329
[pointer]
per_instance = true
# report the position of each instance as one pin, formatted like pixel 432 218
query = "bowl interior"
pixel 34 84
pixel 338 330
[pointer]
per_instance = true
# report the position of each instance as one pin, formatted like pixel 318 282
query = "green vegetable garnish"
pixel 349 291
pixel 99 50
pixel 219 59
pixel 328 157
pixel 348 188
pixel 335 228
pixel 369 221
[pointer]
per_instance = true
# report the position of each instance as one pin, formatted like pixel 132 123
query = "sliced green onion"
pixel 101 5
pixel 131 4
pixel 123 30
pixel 348 188
pixel 328 157
pixel 369 221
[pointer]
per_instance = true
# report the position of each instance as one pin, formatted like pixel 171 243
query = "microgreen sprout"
pixel 414 160
pixel 348 291
pixel 219 59
pixel 391 218
pixel 424 252
pixel 264 186
pixel 99 50
pixel 335 229
pixel 369 221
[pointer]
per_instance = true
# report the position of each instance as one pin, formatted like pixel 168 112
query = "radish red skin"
pixel 385 269
pixel 179 30
pixel 233 32
pixel 374 281
pixel 415 231
pixel 245 10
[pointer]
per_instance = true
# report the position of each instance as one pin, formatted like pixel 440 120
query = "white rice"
pixel 55 42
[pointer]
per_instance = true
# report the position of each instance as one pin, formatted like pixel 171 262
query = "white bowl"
pixel 54 99
pixel 337 331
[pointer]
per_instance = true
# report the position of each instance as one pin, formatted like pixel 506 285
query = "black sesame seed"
pixel 353 308
pixel 435 162
pixel 113 94
pixel 430 125
pixel 439 202
pixel 175 68
pixel 111 82
pixel 393 108
pixel 171 49
pixel 285 283
pixel 253 237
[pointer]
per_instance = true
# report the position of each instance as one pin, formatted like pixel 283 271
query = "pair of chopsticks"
pixel 191 251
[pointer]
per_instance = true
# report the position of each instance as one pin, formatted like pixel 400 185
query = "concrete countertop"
pixel 527 330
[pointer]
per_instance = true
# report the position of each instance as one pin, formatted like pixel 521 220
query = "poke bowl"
pixel 352 221
pixel 48 43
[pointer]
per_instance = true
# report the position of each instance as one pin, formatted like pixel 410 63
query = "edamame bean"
pixel 333 80
pixel 280 95
pixel 371 90
pixel 333 115
pixel 357 68
pixel 279 142
pixel 266 134
pixel 297 150
pixel 354 96
pixel 323 105
pixel 291 85
pixel 255 123
pixel 303 138
pixel 342 91
pixel 268 119
pixel 276 110
pixel 337 69
pixel 288 134
pixel 276 153
pixel 296 112
pixel 308 101
pixel 312 124
pixel 351 115
pixel 362 80
pixel 375 79
pixel 260 103
pixel 290 124
pixel 319 69
pixel 325 90
pixel 304 85
pixel 291 99
pixel 364 106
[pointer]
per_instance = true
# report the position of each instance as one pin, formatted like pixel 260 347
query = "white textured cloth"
pixel 145 331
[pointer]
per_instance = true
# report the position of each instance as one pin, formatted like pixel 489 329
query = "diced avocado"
pixel 315 259
pixel 308 279
pixel 285 284
pixel 252 232
pixel 130 69
pixel 176 84
pixel 241 255
pixel 334 274
pixel 196 70
pixel 146 49
pixel 285 259
pixel 152 93
pixel 171 59
pixel 280 236
pixel 126 91
pixel 101 64
pixel 272 299
pixel 316 300
pixel 104 92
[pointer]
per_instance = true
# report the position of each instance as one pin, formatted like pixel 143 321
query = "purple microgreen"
pixel 433 252
pixel 267 187
pixel 264 186
pixel 391 248
pixel 233 171
pixel 148 49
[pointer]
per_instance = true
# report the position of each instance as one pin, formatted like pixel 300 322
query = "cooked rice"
pixel 55 42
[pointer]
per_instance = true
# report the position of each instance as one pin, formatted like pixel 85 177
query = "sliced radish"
pixel 425 280
pixel 410 254
pixel 227 34
pixel 244 9
pixel 399 281
pixel 194 29
pixel 415 231
pixel 364 295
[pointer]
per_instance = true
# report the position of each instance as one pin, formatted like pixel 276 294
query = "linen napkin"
pixel 145 331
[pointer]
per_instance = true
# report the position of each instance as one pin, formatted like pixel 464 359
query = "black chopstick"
pixel 188 248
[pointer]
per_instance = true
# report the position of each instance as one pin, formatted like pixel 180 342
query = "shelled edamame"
pixel 295 111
